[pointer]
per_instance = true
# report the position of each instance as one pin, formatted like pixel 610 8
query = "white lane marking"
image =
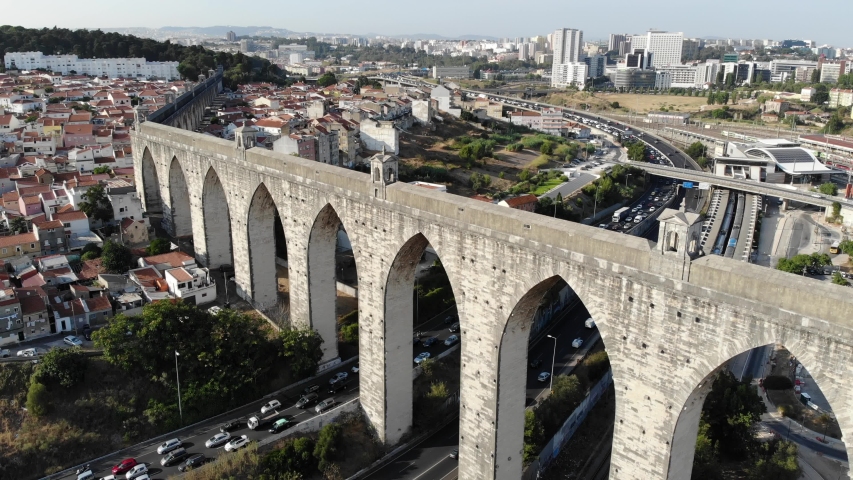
pixel 430 468
pixel 406 467
pixel 745 365
pixel 452 472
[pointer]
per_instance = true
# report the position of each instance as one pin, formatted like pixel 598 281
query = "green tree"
pixel 65 367
pixel 637 151
pixel 296 456
pixel 838 279
pixel 101 170
pixel 820 95
pixel 614 105
pixel 846 246
pixel 303 350
pixel 524 175
pixel 38 399
pixel 327 79
pixel 349 333
pixel 777 461
pixel 96 205
pixel 799 263
pixel 547 147
pixel 116 258
pixel 18 225
pixel 92 248
pixel 326 448
pixel 836 209
pixel 696 150
pixel 828 188
pixel 731 409
pixel 158 246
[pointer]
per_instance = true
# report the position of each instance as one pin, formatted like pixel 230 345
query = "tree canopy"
pixel 116 258
pixel 96 205
pixel 97 44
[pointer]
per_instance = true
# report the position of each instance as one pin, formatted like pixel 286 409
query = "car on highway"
pixel 85 475
pixel 72 341
pixel 217 440
pixel 451 340
pixel 5 353
pixel 536 362
pixel 354 369
pixel 236 443
pixel 577 342
pixel 421 357
pixel 168 446
pixel 270 406
pixel 30 352
pixel 430 341
pixel 543 377
pixel 449 319
pixel 124 466
pixel 454 454
pixel 228 426
pixel 338 377
pixel 306 400
pixel 310 389
pixel 174 457
pixel 194 461
pixel 137 471
pixel 454 328
pixel 280 425
pixel 324 405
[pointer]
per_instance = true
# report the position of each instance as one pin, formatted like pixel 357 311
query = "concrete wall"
pixel 667 322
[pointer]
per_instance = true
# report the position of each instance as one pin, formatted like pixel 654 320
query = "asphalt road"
pixel 430 459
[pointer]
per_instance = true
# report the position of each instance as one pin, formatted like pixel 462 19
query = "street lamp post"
pixel 553 359
pixel 595 204
pixel 178 377
pixel 626 179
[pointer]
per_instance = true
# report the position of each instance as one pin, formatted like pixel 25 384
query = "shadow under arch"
pixel 217 221
pixel 260 223
pixel 513 374
pixel 683 443
pixel 150 184
pixel 180 216
pixel 398 328
pixel 323 274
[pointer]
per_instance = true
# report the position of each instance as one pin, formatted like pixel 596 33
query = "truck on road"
pixel 263 419
pixel 620 214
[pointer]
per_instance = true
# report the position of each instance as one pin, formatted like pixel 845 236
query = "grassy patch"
pixel 538 162
pixel 548 185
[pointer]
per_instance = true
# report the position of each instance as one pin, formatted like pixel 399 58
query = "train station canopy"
pixel 791 160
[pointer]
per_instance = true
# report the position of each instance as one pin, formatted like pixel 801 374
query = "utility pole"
pixel 178 377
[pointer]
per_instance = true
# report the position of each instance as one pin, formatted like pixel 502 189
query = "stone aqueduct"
pixel 668 322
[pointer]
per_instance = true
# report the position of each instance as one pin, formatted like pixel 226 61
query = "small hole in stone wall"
pixel 630 299
pixel 644 345
pixel 678 314
pixel 651 305
pixel 697 320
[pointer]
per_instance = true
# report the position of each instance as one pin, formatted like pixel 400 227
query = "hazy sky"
pixel 826 21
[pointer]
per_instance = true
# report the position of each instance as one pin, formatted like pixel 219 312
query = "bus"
pixel 835 247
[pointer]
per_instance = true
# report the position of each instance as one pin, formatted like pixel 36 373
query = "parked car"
pixel 430 341
pixel 338 377
pixel 543 377
pixel 174 457
pixel 324 405
pixel 306 400
pixel 577 342
pixel 168 446
pixel 217 440
pixel 451 340
pixel 280 425
pixel 124 466
pixel 270 406
pixel 137 471
pixel 237 443
pixel 5 353
pixel 72 341
pixel 228 426
pixel 421 357
pixel 195 461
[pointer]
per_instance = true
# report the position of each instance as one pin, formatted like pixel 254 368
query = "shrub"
pixel 778 382
pixel 38 399
pixel 349 333
pixel 828 188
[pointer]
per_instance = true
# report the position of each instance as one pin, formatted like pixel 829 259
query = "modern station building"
pixel 770 161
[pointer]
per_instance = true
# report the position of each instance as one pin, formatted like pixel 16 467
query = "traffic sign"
pixel 687 184
pixel 704 186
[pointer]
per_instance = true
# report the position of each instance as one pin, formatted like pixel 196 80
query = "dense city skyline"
pixel 467 18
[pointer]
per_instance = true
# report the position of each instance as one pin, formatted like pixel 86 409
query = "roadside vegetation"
pixel 726 446
pixel 71 406
pixel 803 263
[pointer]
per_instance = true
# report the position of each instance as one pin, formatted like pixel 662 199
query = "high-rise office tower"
pixel 664 47
pixel 568 45
pixel 616 39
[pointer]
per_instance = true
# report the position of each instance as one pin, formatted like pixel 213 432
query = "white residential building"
pixel 665 47
pixel 681 76
pixel 565 74
pixel 111 67
pixel 568 46
pixel 194 285
pixel 126 205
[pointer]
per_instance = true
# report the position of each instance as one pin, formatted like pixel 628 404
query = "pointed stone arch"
pixel 150 184
pixel 178 219
pixel 217 222
pixel 261 242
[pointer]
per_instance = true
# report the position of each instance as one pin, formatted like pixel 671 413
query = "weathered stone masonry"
pixel 667 322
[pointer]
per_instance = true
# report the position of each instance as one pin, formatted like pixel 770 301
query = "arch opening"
pixel 759 404
pixel 269 287
pixel 178 222
pixel 333 286
pixel 217 222
pixel 552 369
pixel 150 184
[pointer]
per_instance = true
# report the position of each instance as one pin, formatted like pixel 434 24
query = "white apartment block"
pixel 681 76
pixel 568 46
pixel 566 74
pixel 840 98
pixel 665 47
pixel 111 67
pixel 829 72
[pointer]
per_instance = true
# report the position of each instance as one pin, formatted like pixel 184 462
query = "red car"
pixel 124 465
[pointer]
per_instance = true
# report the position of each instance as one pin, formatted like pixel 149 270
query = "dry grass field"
pixel 630 101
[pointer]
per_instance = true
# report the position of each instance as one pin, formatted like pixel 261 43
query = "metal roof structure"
pixel 793 161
